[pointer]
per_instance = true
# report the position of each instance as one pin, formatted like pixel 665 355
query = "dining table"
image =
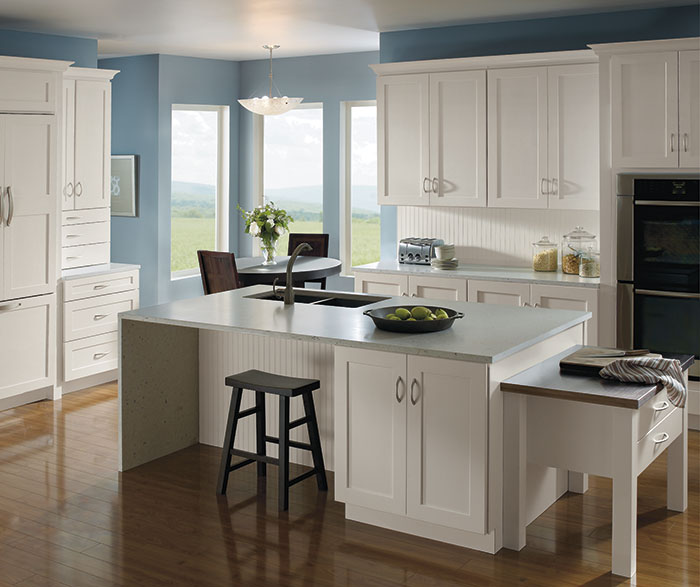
pixel 251 270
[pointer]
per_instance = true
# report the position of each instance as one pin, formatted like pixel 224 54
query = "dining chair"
pixel 319 248
pixel 218 271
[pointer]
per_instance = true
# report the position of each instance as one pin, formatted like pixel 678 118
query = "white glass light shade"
pixel 270 106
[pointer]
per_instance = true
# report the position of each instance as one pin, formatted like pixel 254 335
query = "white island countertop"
pixel 487 333
pixel 489 272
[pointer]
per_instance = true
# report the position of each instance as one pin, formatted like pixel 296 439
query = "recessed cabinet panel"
pixel 517 137
pixel 557 297
pixel 645 110
pixel 381 284
pixel 689 108
pixel 438 288
pixel 403 140
pixel 498 292
pixel 68 154
pixel 27 91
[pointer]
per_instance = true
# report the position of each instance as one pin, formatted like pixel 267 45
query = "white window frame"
pixel 222 180
pixel 259 160
pixel 346 183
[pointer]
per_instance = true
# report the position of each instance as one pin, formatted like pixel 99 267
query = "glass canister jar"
pixel 589 265
pixel 545 255
pixel 572 246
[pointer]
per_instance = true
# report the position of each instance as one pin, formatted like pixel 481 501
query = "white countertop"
pixel 493 273
pixel 102 269
pixel 487 333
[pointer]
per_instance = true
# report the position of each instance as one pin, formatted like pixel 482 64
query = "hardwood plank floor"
pixel 68 517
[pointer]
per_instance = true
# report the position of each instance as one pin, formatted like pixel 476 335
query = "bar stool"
pixel 285 387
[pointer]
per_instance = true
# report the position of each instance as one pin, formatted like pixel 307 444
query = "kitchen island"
pixel 412 425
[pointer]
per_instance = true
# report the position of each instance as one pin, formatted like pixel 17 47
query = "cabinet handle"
pixel 435 184
pixel 69 189
pixel 425 179
pixel 99 316
pixel 685 142
pixel 399 399
pixel 10 207
pixel 414 295
pixel 99 286
pixel 555 186
pixel 98 356
pixel 673 140
pixel 79 185
pixel 2 199
pixel 11 306
pixel 526 305
pixel 71 258
pixel 661 406
pixel 404 294
pixel 536 305
pixel 72 236
pixel 659 438
pixel 414 401
pixel 72 217
pixel 544 190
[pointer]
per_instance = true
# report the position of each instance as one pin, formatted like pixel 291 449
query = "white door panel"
pixel 498 292
pixel 91 144
pixel 689 108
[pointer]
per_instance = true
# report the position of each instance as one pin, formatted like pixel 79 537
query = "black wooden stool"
pixel 284 387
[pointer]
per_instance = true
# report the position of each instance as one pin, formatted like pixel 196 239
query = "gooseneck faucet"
pixel 289 288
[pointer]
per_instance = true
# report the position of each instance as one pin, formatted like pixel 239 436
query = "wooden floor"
pixel 67 517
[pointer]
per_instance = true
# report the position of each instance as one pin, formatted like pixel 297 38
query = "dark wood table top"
pixel 546 380
pixel 251 271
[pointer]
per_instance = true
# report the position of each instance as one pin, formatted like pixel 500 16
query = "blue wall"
pixel 325 78
pixel 543 34
pixel 23 44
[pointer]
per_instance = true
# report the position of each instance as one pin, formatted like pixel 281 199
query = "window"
pixel 199 185
pixel 293 167
pixel 360 218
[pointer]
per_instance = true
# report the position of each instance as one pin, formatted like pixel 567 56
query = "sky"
pixel 194 146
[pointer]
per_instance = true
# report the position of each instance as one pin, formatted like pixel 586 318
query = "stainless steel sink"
pixel 322 298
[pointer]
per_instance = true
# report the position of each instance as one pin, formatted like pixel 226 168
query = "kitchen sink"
pixel 322 298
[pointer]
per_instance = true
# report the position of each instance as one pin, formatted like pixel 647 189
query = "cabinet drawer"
pixel 89 356
pixel 98 315
pixel 98 285
pixel 69 217
pixel 658 439
pixel 85 234
pixel 27 91
pixel 83 255
pixel 653 412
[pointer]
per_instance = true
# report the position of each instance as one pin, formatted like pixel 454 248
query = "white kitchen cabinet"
pixel 689 108
pixel 446 470
pixel 573 137
pixel 438 288
pixel 26 91
pixel 411 436
pixel 505 293
pixel 381 284
pixel 28 183
pixel 517 137
pixel 403 140
pixel 27 344
pixel 561 297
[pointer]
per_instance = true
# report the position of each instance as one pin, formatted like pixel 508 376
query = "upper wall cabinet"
pixel 432 139
pixel 30 85
pixel 655 109
pixel 543 137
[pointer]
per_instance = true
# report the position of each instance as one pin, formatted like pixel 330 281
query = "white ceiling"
pixel 235 29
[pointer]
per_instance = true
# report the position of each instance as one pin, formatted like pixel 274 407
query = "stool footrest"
pixel 298 422
pixel 241 464
pixel 292 443
pixel 301 477
pixel 248 412
pixel 252 457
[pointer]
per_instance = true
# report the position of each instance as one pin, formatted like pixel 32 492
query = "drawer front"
pixel 85 234
pixel 658 439
pixel 69 217
pixel 653 412
pixel 89 356
pixel 84 255
pixel 98 285
pixel 27 91
pixel 91 316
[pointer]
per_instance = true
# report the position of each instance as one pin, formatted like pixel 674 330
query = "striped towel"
pixel 647 370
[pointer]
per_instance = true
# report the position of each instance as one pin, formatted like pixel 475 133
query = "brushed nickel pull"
pixel 661 406
pixel 99 316
pixel 673 140
pixel 99 286
pixel 72 236
pixel 2 199
pixel 72 217
pixel 544 190
pixel 399 399
pixel 425 179
pixel 69 189
pixel 79 185
pixel 72 258
pixel 404 294
pixel 435 184
pixel 11 306
pixel 413 384
pixel 555 187
pixel 659 438
pixel 685 142
pixel 11 207
pixel 98 356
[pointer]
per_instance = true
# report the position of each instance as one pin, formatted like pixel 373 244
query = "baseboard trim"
pixel 89 381
pixel 693 422
pixel 28 397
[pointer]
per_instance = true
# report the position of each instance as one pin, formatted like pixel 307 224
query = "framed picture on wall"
pixel 122 185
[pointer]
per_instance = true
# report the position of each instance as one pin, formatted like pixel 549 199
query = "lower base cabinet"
pixel 381 284
pixel 411 437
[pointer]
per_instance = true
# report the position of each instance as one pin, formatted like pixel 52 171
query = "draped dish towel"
pixel 647 370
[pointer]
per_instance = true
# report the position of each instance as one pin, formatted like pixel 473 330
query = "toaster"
pixel 418 250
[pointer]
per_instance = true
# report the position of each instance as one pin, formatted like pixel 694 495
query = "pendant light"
pixel 267 105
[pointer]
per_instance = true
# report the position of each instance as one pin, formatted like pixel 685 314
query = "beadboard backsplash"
pixel 493 236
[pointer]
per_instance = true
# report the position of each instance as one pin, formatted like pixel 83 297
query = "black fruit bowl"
pixel 378 315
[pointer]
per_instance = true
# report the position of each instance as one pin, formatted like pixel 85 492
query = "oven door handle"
pixel 666 203
pixel 668 294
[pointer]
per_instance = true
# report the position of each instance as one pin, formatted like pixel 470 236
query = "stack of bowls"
pixel 445 258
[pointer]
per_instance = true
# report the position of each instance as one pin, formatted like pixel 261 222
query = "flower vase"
pixel 268 249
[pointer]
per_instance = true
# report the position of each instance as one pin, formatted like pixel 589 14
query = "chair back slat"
pixel 218 271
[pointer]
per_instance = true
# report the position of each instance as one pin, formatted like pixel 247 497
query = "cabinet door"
pixel 458 138
pixel 92 164
pixel 370 429
pixel 561 297
pixel 68 154
pixel 27 357
pixel 498 292
pixel 517 137
pixel 403 140
pixel 689 108
pixel 381 284
pixel 438 288
pixel 447 454
pixel 573 137
pixel 29 240
pixel 645 110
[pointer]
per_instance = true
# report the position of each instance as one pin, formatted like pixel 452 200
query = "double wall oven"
pixel 658 263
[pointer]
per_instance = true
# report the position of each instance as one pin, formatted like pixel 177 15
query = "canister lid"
pixel 579 234
pixel 543 242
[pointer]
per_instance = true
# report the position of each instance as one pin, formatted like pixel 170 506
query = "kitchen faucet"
pixel 289 288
